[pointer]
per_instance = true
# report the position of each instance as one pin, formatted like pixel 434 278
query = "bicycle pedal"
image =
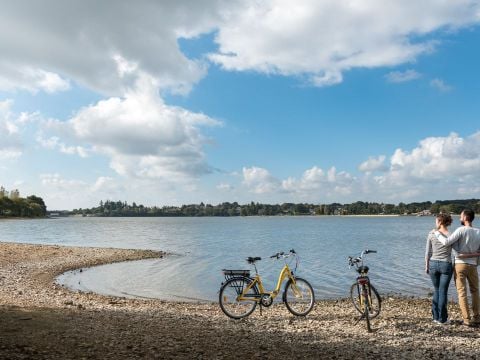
pixel 359 319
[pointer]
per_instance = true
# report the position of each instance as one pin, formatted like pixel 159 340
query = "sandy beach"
pixel 42 320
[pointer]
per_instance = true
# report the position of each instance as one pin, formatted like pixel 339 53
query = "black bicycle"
pixel 363 294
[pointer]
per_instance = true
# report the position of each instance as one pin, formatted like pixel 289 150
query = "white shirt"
pixel 465 239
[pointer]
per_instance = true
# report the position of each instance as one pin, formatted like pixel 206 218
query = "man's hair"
pixel 445 219
pixel 469 215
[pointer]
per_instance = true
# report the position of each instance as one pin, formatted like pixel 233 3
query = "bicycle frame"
pixel 257 281
pixel 363 283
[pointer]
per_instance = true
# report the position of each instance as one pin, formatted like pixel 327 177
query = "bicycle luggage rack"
pixel 237 285
pixel 232 273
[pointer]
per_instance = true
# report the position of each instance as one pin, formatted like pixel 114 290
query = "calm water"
pixel 201 247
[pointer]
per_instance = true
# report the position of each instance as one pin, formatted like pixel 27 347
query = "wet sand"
pixel 42 320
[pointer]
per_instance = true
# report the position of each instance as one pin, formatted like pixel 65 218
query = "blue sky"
pixel 240 101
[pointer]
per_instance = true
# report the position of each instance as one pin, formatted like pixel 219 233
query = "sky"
pixel 179 102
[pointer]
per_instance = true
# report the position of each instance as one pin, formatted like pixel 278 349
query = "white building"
pixel 14 194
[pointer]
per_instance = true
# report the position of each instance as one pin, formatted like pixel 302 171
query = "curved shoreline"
pixel 40 319
pixel 28 271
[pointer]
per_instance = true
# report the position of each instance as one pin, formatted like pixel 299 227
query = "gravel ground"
pixel 42 320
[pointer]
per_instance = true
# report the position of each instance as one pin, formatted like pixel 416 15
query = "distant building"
pixel 14 194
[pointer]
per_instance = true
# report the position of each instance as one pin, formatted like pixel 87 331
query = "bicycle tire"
pixel 366 312
pixel 376 300
pixel 228 294
pixel 299 305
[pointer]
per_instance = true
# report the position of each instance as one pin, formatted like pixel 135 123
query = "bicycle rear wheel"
pixel 229 294
pixel 299 297
pixel 375 303
pixel 366 311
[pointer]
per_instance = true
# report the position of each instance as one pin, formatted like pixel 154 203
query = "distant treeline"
pixel 119 208
pixel 32 206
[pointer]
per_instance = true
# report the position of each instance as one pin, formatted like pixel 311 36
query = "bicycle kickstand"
pixel 360 318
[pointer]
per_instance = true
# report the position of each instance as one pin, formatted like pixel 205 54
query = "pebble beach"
pixel 40 319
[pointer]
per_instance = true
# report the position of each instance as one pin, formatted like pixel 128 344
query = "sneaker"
pixel 435 321
pixel 446 322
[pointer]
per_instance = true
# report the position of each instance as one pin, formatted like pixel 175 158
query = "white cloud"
pixel 11 145
pixel 323 39
pixel 440 85
pixel 14 77
pixel 321 184
pixel 104 45
pixel 314 185
pixel 62 192
pixel 438 168
pixel 96 43
pixel 58 191
pixel 259 180
pixel 31 79
pixel 54 142
pixel 141 135
pixel 402 76
pixel 12 129
pixel 437 157
pixel 106 184
pixel 373 164
pixel 57 181
pixel 10 154
pixel 225 187
pixel 327 78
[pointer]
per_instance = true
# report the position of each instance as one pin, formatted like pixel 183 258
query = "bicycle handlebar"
pixel 353 261
pixel 277 255
pixel 282 254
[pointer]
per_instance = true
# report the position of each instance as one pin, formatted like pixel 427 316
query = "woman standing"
pixel 438 264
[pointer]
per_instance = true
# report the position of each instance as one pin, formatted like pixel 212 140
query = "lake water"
pixel 202 247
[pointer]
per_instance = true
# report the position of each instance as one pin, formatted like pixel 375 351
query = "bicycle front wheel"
pixel 229 297
pixel 299 297
pixel 375 303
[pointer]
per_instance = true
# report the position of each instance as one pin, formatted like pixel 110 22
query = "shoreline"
pixel 40 319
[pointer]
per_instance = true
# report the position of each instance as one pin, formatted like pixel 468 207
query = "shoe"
pixel 476 321
pixel 435 321
pixel 446 322
pixel 469 324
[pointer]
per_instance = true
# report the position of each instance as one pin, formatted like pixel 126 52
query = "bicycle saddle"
pixel 251 260
pixel 363 269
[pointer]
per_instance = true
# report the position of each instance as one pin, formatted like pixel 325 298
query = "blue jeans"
pixel 441 274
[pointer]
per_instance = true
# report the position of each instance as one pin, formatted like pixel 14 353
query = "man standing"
pixel 466 242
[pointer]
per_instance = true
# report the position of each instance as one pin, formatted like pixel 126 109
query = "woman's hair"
pixel 445 219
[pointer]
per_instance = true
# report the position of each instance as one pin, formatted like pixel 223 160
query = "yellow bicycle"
pixel 240 293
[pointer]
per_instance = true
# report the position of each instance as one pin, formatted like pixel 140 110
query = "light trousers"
pixel 467 273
